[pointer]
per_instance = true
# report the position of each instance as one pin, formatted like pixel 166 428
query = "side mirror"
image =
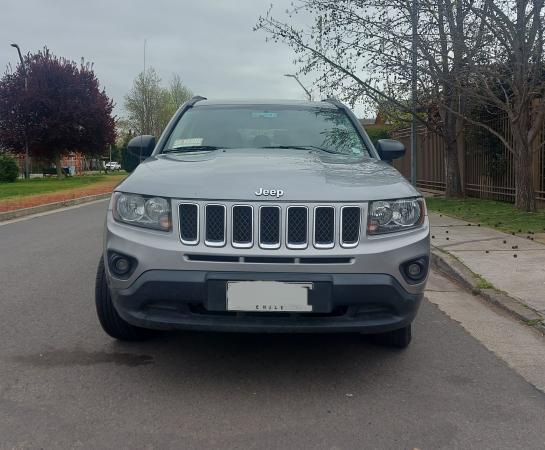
pixel 141 146
pixel 388 149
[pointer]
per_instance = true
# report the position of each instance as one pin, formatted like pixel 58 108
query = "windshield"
pixel 213 127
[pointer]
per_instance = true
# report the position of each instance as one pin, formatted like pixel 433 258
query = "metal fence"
pixel 487 167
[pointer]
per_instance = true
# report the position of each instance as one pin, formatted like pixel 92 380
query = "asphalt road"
pixel 65 384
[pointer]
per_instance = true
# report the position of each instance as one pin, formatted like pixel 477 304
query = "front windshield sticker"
pixel 264 115
pixel 179 143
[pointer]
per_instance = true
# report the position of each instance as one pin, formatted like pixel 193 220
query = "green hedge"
pixel 376 133
pixel 9 170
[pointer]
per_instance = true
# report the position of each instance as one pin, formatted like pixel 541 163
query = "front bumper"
pixel 171 289
pixel 196 300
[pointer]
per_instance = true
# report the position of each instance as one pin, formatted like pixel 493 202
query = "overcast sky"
pixel 209 43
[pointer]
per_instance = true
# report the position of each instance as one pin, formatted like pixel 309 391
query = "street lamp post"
pixel 289 75
pixel 25 73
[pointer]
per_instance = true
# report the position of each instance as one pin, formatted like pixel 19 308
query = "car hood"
pixel 237 174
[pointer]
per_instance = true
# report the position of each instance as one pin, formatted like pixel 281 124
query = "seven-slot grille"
pixel 270 227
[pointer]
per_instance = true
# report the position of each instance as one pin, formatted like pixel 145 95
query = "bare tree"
pixel 471 53
pixel 362 49
pixel 510 79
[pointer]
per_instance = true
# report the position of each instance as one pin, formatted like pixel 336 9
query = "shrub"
pixel 376 133
pixel 9 170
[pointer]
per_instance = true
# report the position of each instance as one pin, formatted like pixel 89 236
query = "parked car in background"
pixel 256 216
pixel 112 165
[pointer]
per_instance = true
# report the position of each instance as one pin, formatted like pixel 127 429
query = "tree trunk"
pixel 26 173
pixel 452 162
pixel 525 198
pixel 58 165
pixel 454 186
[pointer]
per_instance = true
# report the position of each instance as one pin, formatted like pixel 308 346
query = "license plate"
pixel 268 296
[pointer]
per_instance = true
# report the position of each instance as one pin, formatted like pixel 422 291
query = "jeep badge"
pixel 269 193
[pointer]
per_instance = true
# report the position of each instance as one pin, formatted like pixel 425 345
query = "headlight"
pixel 389 216
pixel 147 212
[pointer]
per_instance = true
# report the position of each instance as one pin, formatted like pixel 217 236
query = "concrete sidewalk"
pixel 512 264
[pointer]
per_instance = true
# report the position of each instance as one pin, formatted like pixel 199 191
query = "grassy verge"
pixel 503 216
pixel 23 188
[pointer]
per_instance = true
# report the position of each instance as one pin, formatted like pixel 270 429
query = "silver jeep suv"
pixel 264 216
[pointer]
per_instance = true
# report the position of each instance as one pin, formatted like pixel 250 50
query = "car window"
pixel 269 127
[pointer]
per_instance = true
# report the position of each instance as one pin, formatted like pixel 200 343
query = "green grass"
pixel 499 215
pixel 23 188
pixel 533 323
pixel 484 284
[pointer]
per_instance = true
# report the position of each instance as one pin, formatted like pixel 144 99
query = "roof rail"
pixel 195 99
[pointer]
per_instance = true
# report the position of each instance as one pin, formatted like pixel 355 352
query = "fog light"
pixel 414 270
pixel 121 265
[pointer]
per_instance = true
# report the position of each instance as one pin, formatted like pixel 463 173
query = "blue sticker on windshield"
pixel 265 115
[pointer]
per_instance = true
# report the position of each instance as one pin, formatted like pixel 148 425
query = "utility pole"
pixel 414 90
pixel 309 95
pixel 25 73
pixel 146 128
pixel 145 42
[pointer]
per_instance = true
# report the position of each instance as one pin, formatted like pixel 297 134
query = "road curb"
pixel 449 265
pixel 17 213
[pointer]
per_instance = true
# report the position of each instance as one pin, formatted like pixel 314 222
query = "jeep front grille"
pixel 270 227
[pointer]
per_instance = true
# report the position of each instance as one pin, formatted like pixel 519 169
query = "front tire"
pixel 111 321
pixel 398 338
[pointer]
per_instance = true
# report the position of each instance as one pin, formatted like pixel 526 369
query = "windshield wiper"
pixel 194 148
pixel 301 147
